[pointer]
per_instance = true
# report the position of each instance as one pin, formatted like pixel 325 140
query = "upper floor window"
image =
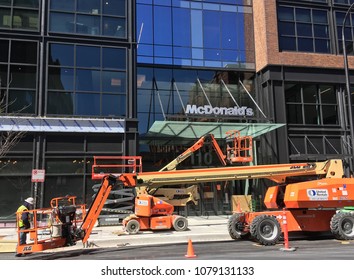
pixel 196 33
pixel 303 30
pixel 346 2
pixel 19 14
pixel 91 17
pixel 86 80
pixel 311 104
pixel 348 31
pixel 18 76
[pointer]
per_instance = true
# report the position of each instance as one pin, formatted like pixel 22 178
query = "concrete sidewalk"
pixel 200 229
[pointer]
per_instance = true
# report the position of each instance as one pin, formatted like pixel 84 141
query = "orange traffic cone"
pixel 190 250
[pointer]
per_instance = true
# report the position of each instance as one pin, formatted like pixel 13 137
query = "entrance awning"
pixel 179 131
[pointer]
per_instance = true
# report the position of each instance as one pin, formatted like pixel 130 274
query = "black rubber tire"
pixel 236 227
pixel 265 229
pixel 132 227
pixel 180 224
pixel 342 225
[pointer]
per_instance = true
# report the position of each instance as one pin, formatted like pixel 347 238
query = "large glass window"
pixel 18 76
pixel 311 104
pixel 348 31
pixel 90 17
pixel 204 34
pixel 86 80
pixel 165 94
pixel 19 14
pixel 346 2
pixel 303 29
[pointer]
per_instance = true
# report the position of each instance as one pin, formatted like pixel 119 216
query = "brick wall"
pixel 266 43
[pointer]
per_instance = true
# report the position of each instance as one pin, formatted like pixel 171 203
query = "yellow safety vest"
pixel 19 215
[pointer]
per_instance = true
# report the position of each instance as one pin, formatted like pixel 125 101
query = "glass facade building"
pixel 286 67
pixel 215 34
pixel 67 71
pixel 192 54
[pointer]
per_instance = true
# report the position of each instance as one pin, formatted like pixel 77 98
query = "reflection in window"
pixel 113 105
pixel 303 30
pixel 87 25
pixel 84 52
pixel 113 27
pixel 114 7
pixel 347 2
pixel 62 5
pixel 61 23
pixel 195 34
pixel 61 55
pixel 113 81
pixel 119 61
pixel 162 32
pixel 61 78
pixel 87 80
pixel 211 30
pixel 176 88
pixel 89 6
pixel 87 104
pixel 83 90
pixel 88 17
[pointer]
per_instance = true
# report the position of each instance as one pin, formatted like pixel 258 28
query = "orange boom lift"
pixel 152 212
pixel 65 223
pixel 312 205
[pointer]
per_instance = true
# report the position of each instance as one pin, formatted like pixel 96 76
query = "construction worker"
pixel 23 220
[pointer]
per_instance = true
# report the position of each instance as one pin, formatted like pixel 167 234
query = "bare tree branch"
pixel 9 139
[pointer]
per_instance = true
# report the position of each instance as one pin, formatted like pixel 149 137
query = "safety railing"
pixel 46 225
pixel 238 148
pixel 115 165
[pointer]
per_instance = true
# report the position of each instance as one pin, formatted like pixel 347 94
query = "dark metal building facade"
pixel 68 77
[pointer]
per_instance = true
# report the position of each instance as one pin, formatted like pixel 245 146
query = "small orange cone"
pixel 190 250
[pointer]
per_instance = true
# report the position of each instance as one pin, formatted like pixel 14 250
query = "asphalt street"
pixel 209 238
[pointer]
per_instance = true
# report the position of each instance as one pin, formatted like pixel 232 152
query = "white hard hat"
pixel 29 200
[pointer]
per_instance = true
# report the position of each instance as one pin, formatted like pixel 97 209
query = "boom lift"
pixel 311 205
pixel 64 223
pixel 238 150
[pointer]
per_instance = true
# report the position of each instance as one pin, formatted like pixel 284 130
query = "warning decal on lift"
pixel 317 194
